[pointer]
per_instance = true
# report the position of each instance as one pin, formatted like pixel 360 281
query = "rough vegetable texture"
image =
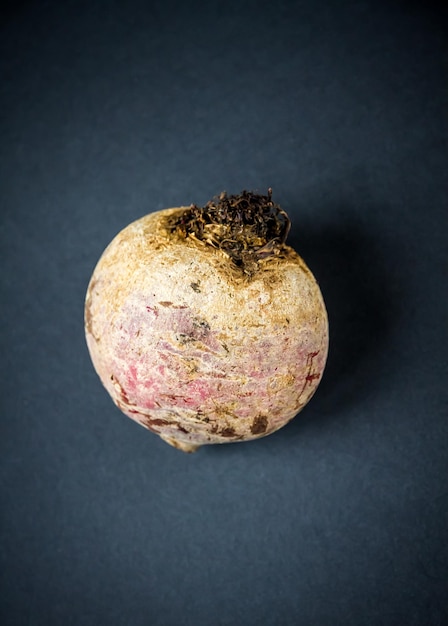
pixel 199 346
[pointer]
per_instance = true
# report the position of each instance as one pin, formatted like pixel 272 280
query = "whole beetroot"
pixel 204 326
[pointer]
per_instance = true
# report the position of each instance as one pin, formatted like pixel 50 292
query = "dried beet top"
pixel 248 227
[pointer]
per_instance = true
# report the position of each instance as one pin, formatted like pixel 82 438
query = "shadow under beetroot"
pixel 350 266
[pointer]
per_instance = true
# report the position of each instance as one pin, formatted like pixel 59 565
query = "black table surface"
pixel 113 109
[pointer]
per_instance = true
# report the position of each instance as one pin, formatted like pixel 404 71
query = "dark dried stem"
pixel 248 227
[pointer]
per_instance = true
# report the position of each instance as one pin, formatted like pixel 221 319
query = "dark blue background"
pixel 110 110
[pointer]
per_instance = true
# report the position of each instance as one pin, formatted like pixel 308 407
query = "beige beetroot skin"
pixel 199 343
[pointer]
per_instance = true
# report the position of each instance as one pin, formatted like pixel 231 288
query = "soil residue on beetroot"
pixel 259 425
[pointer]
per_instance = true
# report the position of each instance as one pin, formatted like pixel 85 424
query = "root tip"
pixel 181 445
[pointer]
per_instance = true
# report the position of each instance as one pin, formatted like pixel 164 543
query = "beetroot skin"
pixel 205 327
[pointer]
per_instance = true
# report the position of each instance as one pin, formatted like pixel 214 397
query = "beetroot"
pixel 204 326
